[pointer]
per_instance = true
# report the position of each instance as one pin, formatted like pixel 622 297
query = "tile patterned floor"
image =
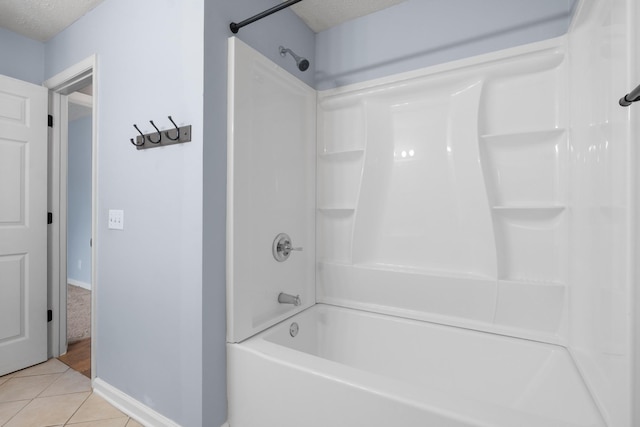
pixel 53 395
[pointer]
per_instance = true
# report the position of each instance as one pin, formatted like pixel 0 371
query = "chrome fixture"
pixel 293 329
pixel 289 299
pixel 630 98
pixel 282 247
pixel 302 63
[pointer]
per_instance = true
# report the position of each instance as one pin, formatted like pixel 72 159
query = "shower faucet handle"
pixel 282 247
pixel 288 248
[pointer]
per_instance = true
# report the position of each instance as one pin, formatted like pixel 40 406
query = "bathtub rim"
pixel 461 408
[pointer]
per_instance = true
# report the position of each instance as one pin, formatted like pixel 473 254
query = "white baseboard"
pixel 225 425
pixel 80 284
pixel 127 404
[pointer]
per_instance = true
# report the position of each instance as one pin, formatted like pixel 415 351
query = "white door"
pixel 23 224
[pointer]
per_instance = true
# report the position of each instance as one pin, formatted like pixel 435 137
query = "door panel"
pixel 23 232
pixel 12 284
pixel 12 169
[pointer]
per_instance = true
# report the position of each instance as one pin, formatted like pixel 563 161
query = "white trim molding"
pixel 66 81
pixel 81 99
pixel 130 406
pixel 60 86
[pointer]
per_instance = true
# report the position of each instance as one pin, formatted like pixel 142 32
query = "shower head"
pixel 302 63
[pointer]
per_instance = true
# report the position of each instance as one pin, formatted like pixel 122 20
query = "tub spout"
pixel 289 299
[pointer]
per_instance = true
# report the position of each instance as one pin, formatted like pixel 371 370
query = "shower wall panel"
pixel 271 177
pixel 603 49
pixel 442 193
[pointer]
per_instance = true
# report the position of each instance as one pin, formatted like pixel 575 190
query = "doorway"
pixel 79 124
pixel 72 202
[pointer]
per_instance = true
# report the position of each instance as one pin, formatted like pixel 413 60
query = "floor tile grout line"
pixel 78 408
pixel 101 419
pixel 39 396
pixel 64 394
pixel 91 421
pixel 30 401
pixel 30 376
pixel 39 375
pixel 13 374
pixel 22 409
pixel 54 381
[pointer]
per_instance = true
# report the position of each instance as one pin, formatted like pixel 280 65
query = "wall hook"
pixel 159 134
pixel 177 131
pixel 141 134
pixel 162 138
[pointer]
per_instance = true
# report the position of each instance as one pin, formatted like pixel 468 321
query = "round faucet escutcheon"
pixel 282 247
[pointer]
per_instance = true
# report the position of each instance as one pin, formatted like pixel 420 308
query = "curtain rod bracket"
pixel 235 27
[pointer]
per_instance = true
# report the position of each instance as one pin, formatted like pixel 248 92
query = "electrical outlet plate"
pixel 116 219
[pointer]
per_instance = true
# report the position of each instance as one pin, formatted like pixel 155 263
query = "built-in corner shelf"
pixel 336 209
pixel 338 181
pixel 353 153
pixel 516 281
pixel 422 271
pixel 529 137
pixel 531 206
pixel 530 210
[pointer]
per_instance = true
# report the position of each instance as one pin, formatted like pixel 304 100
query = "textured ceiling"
pixel 42 19
pixel 320 15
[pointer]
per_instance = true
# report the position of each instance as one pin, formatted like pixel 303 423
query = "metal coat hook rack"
pixel 175 135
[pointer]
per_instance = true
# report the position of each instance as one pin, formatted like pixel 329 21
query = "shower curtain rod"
pixel 630 98
pixel 235 27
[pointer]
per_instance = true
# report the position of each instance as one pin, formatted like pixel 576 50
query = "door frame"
pixel 61 85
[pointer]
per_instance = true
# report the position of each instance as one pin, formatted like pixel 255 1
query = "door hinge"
pixel 49 218
pixel 49 315
pixel 50 121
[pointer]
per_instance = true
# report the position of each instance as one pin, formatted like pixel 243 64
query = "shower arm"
pixel 630 98
pixel 235 27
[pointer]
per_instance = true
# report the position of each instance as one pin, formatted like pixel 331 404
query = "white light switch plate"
pixel 116 219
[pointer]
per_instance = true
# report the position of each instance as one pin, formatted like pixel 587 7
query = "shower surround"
pixel 434 186
pixel 473 229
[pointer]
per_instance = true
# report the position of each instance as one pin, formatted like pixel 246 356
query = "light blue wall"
pixel 79 201
pixel 22 58
pixel 266 35
pixel 149 276
pixel 419 33
pixel 161 281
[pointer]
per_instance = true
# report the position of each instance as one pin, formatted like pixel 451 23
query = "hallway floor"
pixel 78 356
pixel 52 394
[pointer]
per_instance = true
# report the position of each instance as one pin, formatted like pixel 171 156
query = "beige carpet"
pixel 78 313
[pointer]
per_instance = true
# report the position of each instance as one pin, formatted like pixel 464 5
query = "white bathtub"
pixel 349 368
